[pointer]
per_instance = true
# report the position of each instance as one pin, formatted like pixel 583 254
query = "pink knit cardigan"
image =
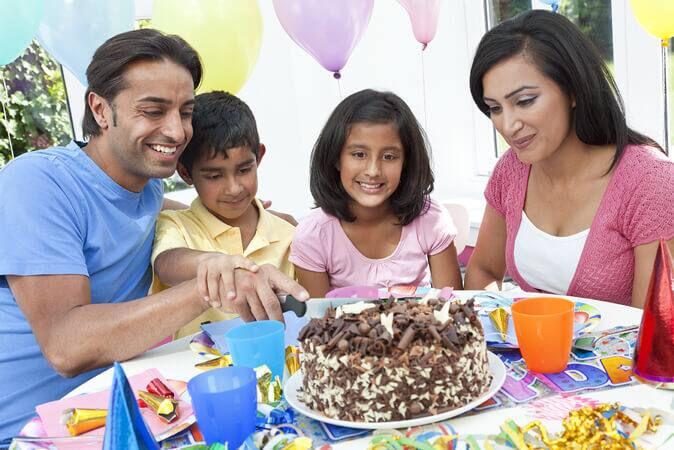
pixel 637 208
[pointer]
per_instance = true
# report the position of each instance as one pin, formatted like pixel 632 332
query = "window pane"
pixel 593 17
pixel 500 10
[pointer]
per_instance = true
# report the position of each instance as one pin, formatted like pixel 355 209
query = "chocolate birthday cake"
pixel 393 360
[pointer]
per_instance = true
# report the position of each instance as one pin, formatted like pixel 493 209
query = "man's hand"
pixel 287 217
pixel 256 293
pixel 215 277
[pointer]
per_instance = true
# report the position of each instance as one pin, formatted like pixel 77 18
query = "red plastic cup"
pixel 544 329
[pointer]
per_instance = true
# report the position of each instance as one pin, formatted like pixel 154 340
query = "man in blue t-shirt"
pixel 77 227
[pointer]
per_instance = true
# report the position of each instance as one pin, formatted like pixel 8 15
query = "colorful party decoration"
pixel 656 16
pixel 18 24
pixel 226 33
pixel 424 16
pixel 654 353
pixel 125 427
pixel 327 30
pixel 73 29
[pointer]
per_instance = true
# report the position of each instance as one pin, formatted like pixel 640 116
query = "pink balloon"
pixel 424 17
pixel 327 30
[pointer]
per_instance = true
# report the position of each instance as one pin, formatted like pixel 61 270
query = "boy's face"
pixel 226 186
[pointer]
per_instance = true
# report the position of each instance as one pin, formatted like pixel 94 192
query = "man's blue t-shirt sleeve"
pixel 42 233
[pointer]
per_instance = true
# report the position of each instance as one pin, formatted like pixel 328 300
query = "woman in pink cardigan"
pixel 577 204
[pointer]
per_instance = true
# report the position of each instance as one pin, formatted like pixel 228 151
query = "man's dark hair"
pixel 564 54
pixel 370 106
pixel 105 73
pixel 220 121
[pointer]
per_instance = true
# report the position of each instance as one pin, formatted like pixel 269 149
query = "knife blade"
pixel 314 308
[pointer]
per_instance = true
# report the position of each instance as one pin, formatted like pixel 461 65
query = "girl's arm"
pixel 445 268
pixel 316 283
pixel 487 266
pixel 644 257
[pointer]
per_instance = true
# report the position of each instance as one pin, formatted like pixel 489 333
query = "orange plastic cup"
pixel 544 329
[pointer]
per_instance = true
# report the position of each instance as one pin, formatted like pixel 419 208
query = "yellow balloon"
pixel 226 33
pixel 656 16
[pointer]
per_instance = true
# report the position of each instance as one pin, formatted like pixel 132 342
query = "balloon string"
pixel 339 88
pixel 4 113
pixel 423 86
pixel 665 73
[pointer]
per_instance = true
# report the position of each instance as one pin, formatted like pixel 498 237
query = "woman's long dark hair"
pixel 562 53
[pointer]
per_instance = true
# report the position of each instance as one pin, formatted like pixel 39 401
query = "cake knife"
pixel 314 308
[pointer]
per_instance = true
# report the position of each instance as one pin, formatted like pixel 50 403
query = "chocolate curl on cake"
pixel 158 388
pixel 165 408
pixel 408 337
pixel 499 317
pixel 215 363
pixel 654 352
pixel 80 420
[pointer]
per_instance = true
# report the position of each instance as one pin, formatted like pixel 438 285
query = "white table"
pixel 175 360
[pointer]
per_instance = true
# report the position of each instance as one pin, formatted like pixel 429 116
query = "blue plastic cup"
pixel 225 404
pixel 256 343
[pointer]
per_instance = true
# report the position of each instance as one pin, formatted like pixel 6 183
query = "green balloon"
pixel 18 23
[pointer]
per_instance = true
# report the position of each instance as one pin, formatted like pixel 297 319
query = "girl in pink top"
pixel 375 223
pixel 574 166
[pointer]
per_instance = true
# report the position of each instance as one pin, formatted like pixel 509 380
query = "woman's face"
pixel 528 109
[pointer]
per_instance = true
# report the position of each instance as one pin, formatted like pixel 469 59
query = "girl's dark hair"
pixel 562 53
pixel 369 106
pixel 105 73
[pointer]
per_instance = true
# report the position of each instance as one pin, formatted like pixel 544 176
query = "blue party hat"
pixel 125 427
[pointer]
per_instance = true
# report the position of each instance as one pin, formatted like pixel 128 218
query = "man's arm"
pixel 76 336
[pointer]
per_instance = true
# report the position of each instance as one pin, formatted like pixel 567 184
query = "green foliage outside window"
pixel 37 113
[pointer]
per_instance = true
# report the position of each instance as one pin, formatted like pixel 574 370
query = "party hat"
pixel 125 427
pixel 654 354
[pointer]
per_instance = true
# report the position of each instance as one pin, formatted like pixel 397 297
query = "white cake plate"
pixel 292 386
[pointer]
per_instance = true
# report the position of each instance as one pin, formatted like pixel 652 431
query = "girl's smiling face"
pixel 371 163
pixel 528 109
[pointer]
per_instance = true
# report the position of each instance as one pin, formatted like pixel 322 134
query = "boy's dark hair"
pixel 105 73
pixel 370 106
pixel 565 55
pixel 220 121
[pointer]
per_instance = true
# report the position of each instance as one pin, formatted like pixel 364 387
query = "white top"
pixel 545 261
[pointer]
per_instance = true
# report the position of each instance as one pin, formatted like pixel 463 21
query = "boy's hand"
pixel 287 217
pixel 256 293
pixel 215 277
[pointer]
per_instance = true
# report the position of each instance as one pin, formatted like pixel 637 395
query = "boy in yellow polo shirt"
pixel 221 162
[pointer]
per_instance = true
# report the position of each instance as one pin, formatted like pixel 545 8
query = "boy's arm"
pixel 214 272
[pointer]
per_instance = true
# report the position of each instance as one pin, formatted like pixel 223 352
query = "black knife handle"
pixel 290 303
